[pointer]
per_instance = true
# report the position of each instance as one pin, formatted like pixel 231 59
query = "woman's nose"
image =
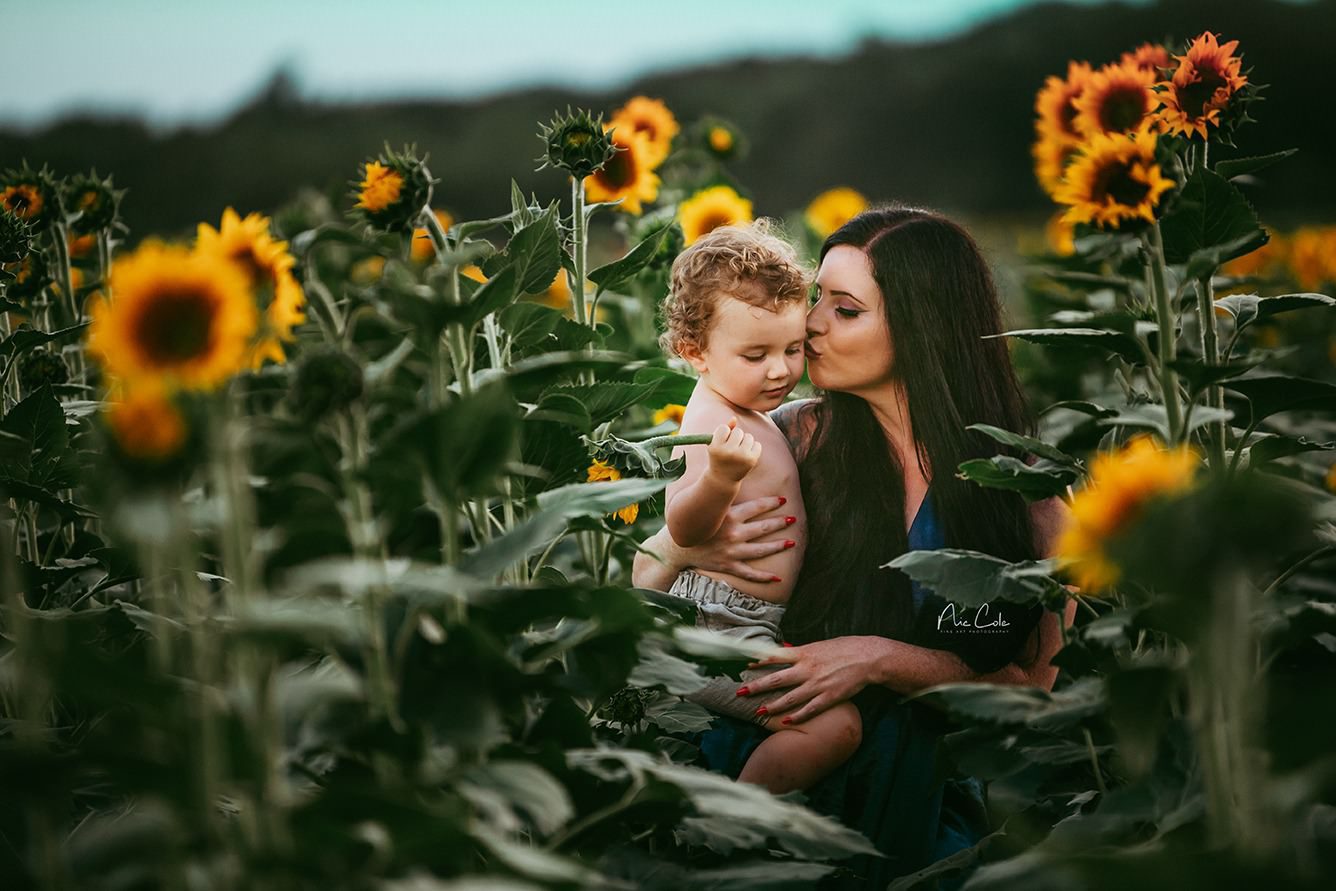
pixel 815 322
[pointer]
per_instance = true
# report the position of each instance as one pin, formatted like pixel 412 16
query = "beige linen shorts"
pixel 721 607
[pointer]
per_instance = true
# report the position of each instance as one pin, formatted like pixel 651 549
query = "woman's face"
pixel 848 340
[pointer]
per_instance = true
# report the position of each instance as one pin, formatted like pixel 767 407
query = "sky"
pixel 186 61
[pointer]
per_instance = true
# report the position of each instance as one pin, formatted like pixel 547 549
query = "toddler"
pixel 737 312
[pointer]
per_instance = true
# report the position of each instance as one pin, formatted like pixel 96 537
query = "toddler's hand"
pixel 733 453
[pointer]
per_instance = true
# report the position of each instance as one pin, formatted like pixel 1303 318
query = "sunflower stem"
pixel 1210 353
pixel 1168 333
pixel 578 235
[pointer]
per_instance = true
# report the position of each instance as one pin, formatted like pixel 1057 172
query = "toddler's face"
pixel 753 356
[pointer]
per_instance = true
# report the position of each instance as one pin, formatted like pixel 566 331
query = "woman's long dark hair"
pixel 940 303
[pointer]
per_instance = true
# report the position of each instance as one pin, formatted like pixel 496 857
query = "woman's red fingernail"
pixel 789 521
pixel 743 691
pixel 787 644
pixel 775 578
pixel 788 543
pixel 762 711
pixel 787 721
pixel 783 501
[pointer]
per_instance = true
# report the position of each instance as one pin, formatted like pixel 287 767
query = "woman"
pixel 896 342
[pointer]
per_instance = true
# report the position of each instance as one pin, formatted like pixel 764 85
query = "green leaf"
pixel 1274 446
pixel 612 276
pixel 659 668
pixel 1240 166
pixel 1207 260
pixel 555 448
pixel 1199 375
pixel 503 790
pixel 1102 338
pixel 39 422
pixel 598 499
pixel 1008 705
pixel 1085 408
pixel 1036 447
pixel 1210 212
pixel 970 578
pixel 563 408
pixel 1152 416
pixel 498 293
pixel 674 386
pixel 1249 308
pixel 536 373
pixel 1037 481
pixel 464 445
pixel 534 251
pixel 1273 394
pixel 605 401
pixel 25 339
pixel 534 328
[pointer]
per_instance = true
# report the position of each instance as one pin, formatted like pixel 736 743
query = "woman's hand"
pixel 729 550
pixel 822 674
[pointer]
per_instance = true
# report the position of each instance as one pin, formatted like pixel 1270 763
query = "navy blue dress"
pixel 890 790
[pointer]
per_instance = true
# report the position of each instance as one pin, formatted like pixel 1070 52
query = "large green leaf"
pixel 26 338
pixel 534 252
pixel 598 499
pixel 464 445
pixel 39 422
pixel 605 401
pixel 1106 339
pixel 535 374
pixel 674 386
pixel 612 276
pixel 1209 213
pixel 1249 308
pixel 1018 705
pixel 1036 447
pixel 971 578
pixel 1152 416
pixel 1271 394
pixel 1037 481
pixel 1239 166
pixel 534 328
pixel 1274 446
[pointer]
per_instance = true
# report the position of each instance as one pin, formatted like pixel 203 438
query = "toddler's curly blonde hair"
pixel 748 262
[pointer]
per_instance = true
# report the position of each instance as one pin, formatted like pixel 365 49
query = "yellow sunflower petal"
pixel 711 208
pixel 833 208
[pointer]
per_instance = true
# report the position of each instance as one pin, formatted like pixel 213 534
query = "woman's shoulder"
pixel 796 420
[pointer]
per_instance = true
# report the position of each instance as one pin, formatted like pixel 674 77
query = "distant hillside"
pixel 946 124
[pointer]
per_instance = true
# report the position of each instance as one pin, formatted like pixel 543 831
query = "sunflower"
pixel 651 119
pixel 1116 99
pixel 146 424
pixel 670 412
pixel 393 190
pixel 627 175
pixel 179 318
pixel 1151 57
pixel 380 187
pixel 81 245
pixel 558 294
pixel 31 195
pixel 1313 256
pixel 600 472
pixel 833 208
pixel 23 200
pixel 1114 181
pixel 1262 261
pixel 1060 235
pixel 711 208
pixel 1120 486
pixel 720 139
pixel 95 200
pixel 268 269
pixel 423 249
pixel 471 271
pixel 1052 155
pixel 1056 102
pixel 1207 77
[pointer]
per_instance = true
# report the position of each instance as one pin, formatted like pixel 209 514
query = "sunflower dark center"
pixel 1067 115
pixel 714 221
pixel 1122 109
pixel 619 172
pixel 1196 97
pixel 1116 182
pixel 244 257
pixel 176 326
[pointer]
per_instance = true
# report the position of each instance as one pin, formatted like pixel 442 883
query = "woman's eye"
pixel 848 313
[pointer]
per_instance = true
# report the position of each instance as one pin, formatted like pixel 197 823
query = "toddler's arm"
pixel 696 509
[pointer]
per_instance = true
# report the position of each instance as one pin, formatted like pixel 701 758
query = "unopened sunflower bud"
pixel 626 707
pixel 95 202
pixel 327 380
pixel 15 238
pixel 393 190
pixel 576 143
pixel 42 367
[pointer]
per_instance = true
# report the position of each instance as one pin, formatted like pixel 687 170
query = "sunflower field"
pixel 320 525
